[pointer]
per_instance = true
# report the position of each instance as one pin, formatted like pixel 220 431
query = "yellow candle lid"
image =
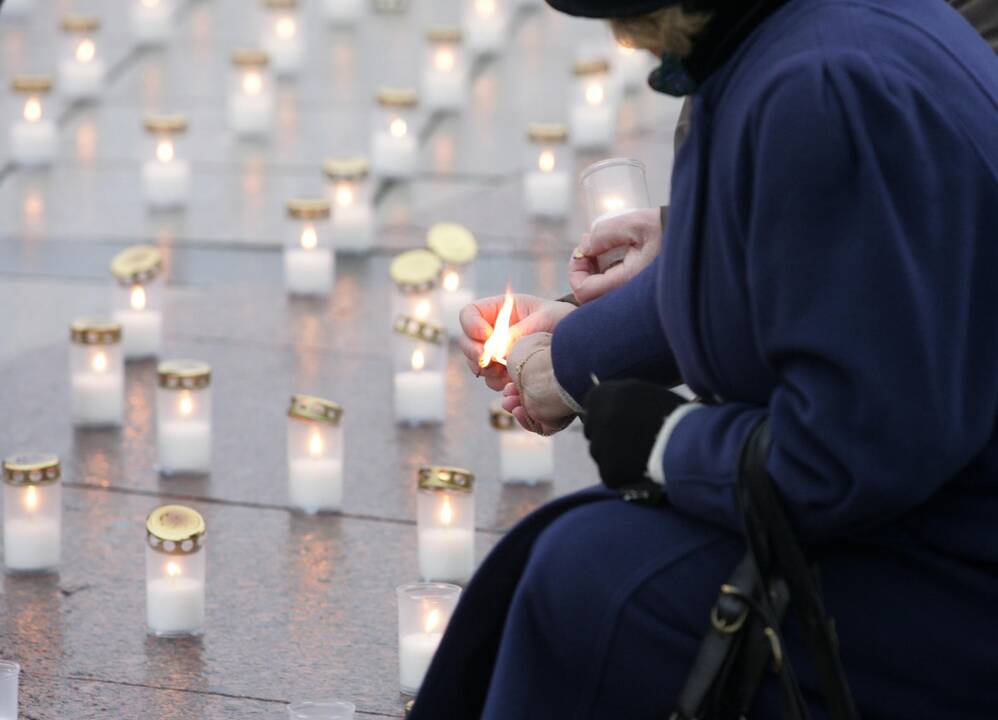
pixel 418 329
pixel 31 83
pixel 31 469
pixel 175 529
pixel 500 419
pixel 547 132
pixel 137 265
pixel 80 23
pixel 592 66
pixel 94 331
pixel 250 57
pixel 308 208
pixel 346 168
pixel 439 477
pixel 453 243
pixel 316 409
pixel 184 374
pixel 397 97
pixel 159 123
pixel 415 270
pixel 444 33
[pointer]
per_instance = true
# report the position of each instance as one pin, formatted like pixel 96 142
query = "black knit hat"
pixel 608 8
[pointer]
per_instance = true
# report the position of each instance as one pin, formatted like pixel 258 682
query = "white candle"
pixel 143 332
pixel 308 272
pixel 166 180
pixel 444 91
pixel 451 304
pixel 353 228
pixel 316 484
pixel 525 457
pixel 342 12
pixel 420 397
pixel 592 125
pixel 251 105
pixel 547 194
pixel 97 398
pixel 33 138
pixel 152 21
pixel 184 446
pixel 81 77
pixel 284 44
pixel 485 27
pixel 394 153
pixel 175 605
pixel 416 650
pixel 444 78
pixel 31 543
pixel 447 554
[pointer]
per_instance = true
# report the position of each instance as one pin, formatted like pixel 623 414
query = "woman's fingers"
pixel 521 416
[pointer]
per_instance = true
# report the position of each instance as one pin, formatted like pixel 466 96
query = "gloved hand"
pixel 622 421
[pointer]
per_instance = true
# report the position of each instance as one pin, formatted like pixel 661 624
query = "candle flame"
pixel 422 311
pixel 595 93
pixel 625 50
pixel 613 202
pixel 309 239
pixel 485 8
pixel 452 281
pixel 398 128
pixel 315 443
pixel 432 620
pixel 546 161
pixel 86 50
pixel 285 28
pixel 164 150
pixel 418 359
pixel 446 512
pixel 150 3
pixel 252 83
pixel 443 59
pixel 137 298
pixel 31 498
pixel 32 110
pixel 99 362
pixel 173 569
pixel 497 346
pixel 344 195
pixel 186 404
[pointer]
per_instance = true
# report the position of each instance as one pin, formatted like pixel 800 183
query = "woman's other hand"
pixel 639 231
pixel 533 396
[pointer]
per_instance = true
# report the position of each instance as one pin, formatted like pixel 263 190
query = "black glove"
pixel 622 421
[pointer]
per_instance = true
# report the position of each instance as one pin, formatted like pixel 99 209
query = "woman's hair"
pixel 668 30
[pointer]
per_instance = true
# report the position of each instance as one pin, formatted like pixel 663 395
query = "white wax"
pixel 81 81
pixel 485 36
pixel 415 653
pixel 308 272
pixel 250 114
pixel 631 69
pixel 166 184
pixel 393 157
pixel 142 332
pixel 592 126
pixel 342 12
pixel 285 55
pixel 33 143
pixel 316 484
pixel 451 303
pixel 444 90
pixel 184 446
pixel 525 457
pixel 97 399
pixel 419 397
pixel 31 544
pixel 175 605
pixel 447 554
pixel 547 194
pixel 151 25
pixel 352 228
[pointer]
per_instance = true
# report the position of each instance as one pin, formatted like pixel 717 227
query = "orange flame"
pixel 497 346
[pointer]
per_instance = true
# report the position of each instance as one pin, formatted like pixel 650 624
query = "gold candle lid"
pixel 500 419
pixel 347 168
pixel 160 123
pixel 308 208
pixel 31 469
pixel 316 409
pixel 280 4
pixel 397 97
pixel 444 34
pixel 175 530
pixel 95 331
pixel 138 264
pixel 184 374
pixel 248 57
pixel 592 66
pixel 418 329
pixel 31 83
pixel 547 132
pixel 438 477
pixel 80 23
pixel 453 243
pixel 415 270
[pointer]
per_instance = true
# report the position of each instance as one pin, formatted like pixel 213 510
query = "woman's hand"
pixel 639 231
pixel 533 396
pixel 530 315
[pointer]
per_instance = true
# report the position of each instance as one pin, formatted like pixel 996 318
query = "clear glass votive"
pixel 282 36
pixel 445 74
pixel 593 109
pixel 424 611
pixel 547 185
pixel 445 504
pixel 484 26
pixel 82 68
pixel 251 93
pixel 416 274
pixel 315 454
pixel 457 249
pixel 175 571
pixel 352 227
pixel 97 373
pixel 524 457
pixel 138 300
pixel 309 260
pixel 10 672
pixel 420 362
pixel 32 513
pixel 33 137
pixel 321 710
pixel 183 417
pixel 394 147
pixel 152 21
pixel 614 187
pixel 166 174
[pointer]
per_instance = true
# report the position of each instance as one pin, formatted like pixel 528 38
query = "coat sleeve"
pixel 867 270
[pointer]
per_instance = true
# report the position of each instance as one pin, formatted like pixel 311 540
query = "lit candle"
pixel 614 187
pixel 484 26
pixel 315 454
pixel 138 271
pixel 282 36
pixel 308 259
pixel 524 457
pixel 251 100
pixel 631 66
pixel 445 78
pixel 32 134
pixel 175 571
pixel 183 417
pixel 343 12
pixel 394 152
pixel 152 21
pixel 96 373
pixel 165 177
pixel 446 524
pixel 593 112
pixel 416 274
pixel 497 345
pixel 81 71
pixel 547 187
pixel 424 611
pixel 32 520
pixel 352 228
pixel 456 247
pixel 419 372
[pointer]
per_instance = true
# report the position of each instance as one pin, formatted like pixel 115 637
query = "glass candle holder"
pixel 524 457
pixel 10 673
pixel 175 571
pixel 315 454
pixel 82 68
pixel 484 26
pixel 394 150
pixel 352 227
pixel 420 361
pixel 251 94
pixel 547 185
pixel 343 12
pixel 33 136
pixel 32 513
pixel 282 37
pixel 183 417
pixel 152 21
pixel 614 187
pixel 308 257
pixel 416 274
pixel 97 369
pixel 457 249
pixel 445 74
pixel 166 174
pixel 593 110
pixel 446 524
pixel 321 710
pixel 138 300
pixel 424 611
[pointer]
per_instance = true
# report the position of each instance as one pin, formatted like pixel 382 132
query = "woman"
pixel 827 272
